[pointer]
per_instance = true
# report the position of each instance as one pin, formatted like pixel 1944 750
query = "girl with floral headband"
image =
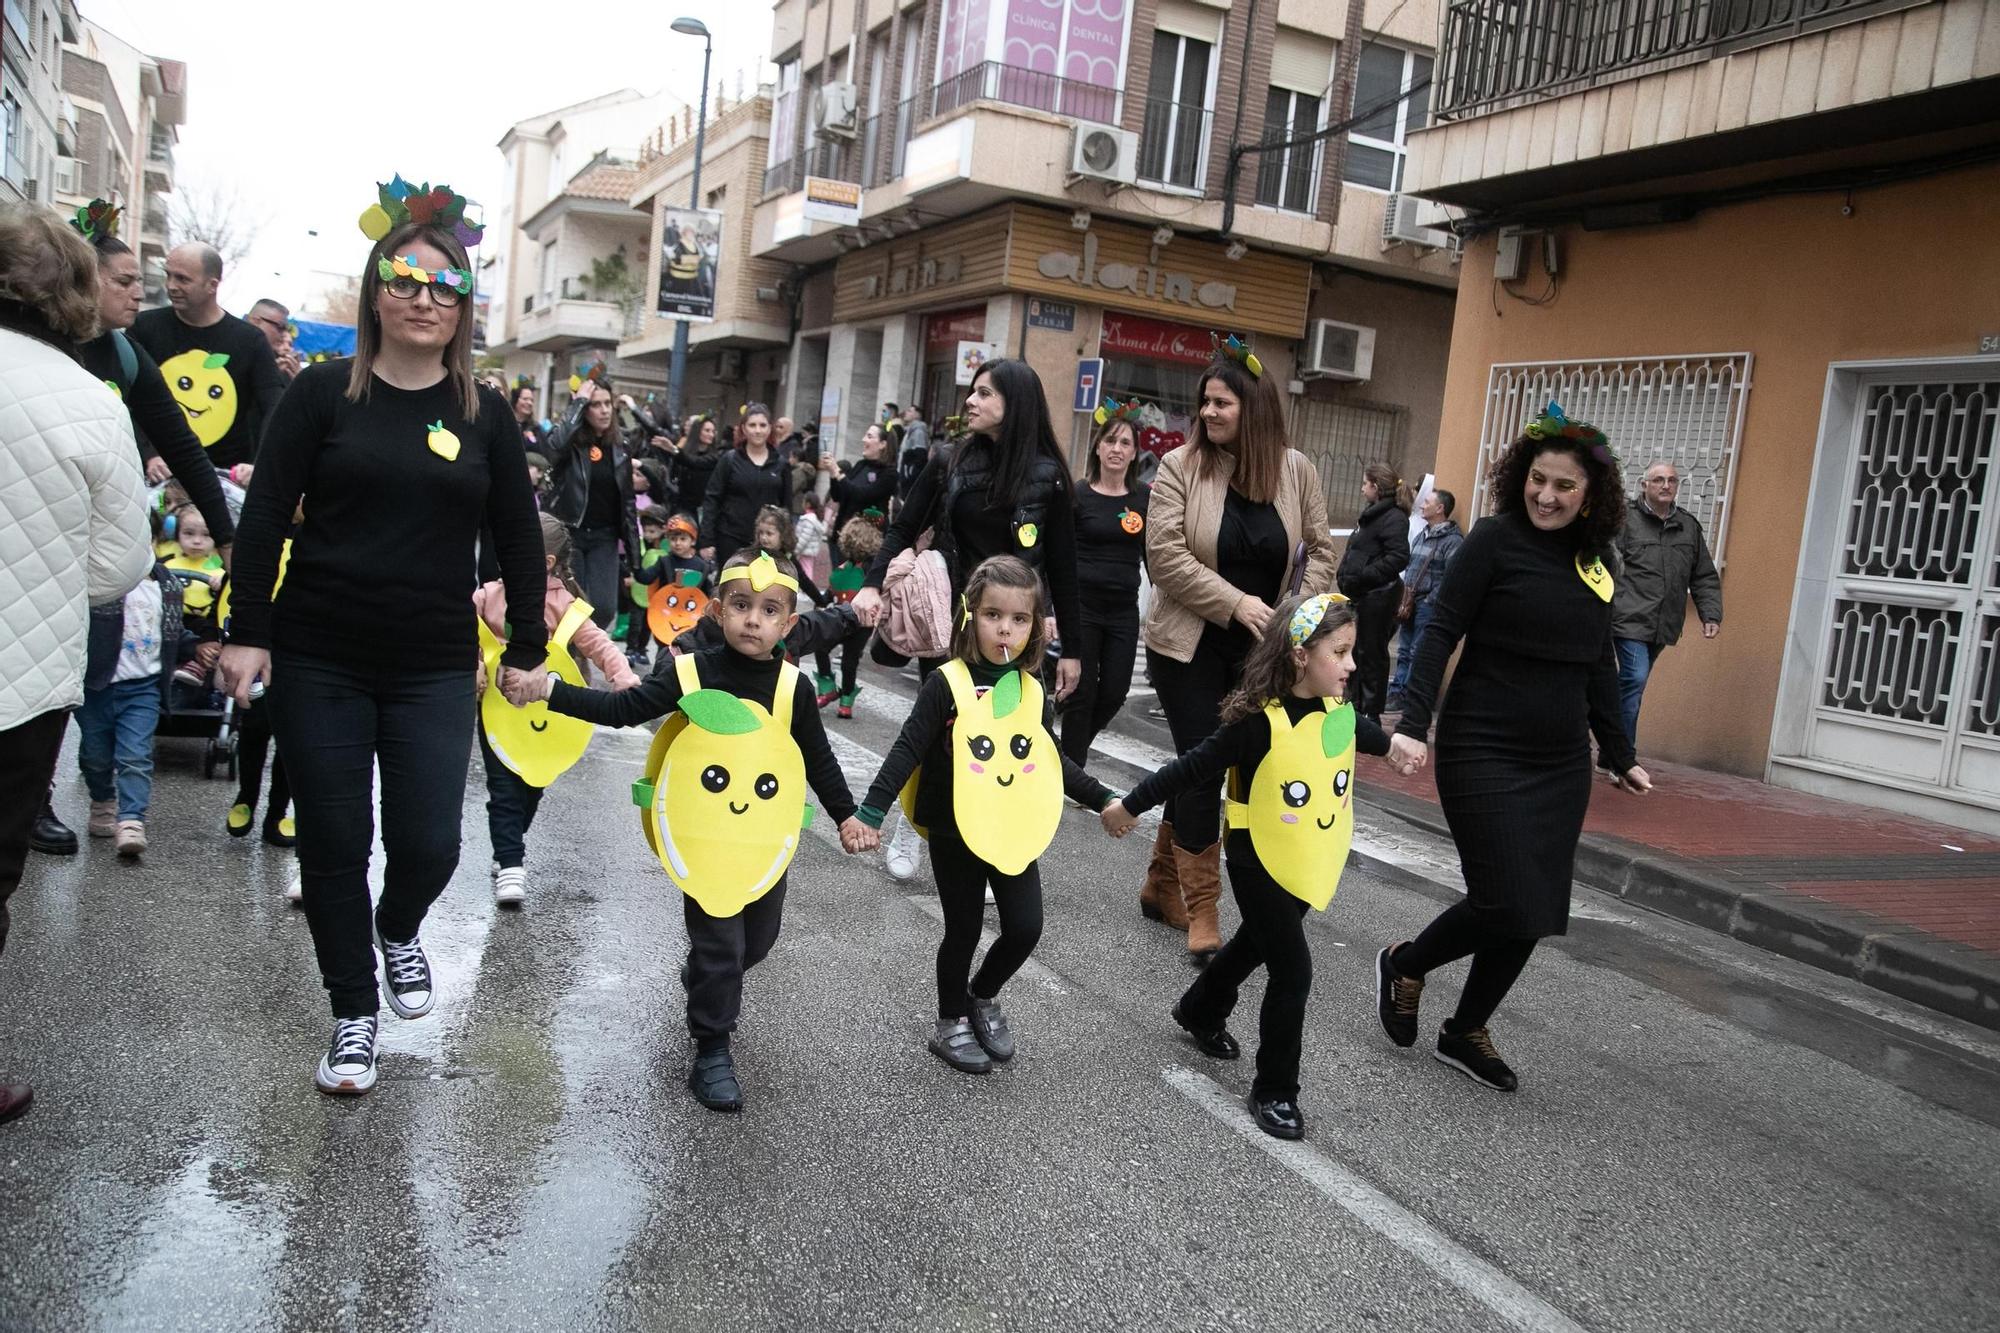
pixel 1287 742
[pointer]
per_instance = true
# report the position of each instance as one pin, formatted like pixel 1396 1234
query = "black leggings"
pixel 1273 935
pixel 1497 961
pixel 1375 625
pixel 961 881
pixel 253 744
pixel 336 723
pixel 1192 693
pixel 1109 641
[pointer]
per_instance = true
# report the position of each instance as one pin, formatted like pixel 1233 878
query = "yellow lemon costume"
pixel 1300 806
pixel 1006 774
pixel 535 744
pixel 724 797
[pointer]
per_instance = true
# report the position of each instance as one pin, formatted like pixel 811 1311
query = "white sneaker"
pixel 295 891
pixel 131 837
pixel 510 885
pixel 406 977
pixel 348 1067
pixel 905 850
pixel 103 819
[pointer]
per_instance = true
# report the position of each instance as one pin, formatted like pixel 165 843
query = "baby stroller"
pixel 200 711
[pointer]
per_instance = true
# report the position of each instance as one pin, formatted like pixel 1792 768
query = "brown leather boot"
pixel 1200 875
pixel 1160 896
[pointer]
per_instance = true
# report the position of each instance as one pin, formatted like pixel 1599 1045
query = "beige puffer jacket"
pixel 73 530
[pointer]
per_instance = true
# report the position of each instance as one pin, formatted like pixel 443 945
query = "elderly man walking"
pixel 1664 559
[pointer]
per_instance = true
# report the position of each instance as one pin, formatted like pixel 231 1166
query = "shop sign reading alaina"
pixel 1140 279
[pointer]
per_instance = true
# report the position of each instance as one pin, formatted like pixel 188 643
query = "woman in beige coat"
pixel 1237 522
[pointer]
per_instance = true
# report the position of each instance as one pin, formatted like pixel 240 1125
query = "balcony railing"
pixel 994 82
pixel 1496 50
pixel 1173 143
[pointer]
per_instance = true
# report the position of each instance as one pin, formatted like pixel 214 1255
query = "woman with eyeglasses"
pixel 369 656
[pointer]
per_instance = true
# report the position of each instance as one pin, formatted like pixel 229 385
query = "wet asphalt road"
pixel 1706 1136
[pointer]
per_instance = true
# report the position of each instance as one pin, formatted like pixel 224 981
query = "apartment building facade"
pixel 127 108
pixel 1074 182
pixel 1749 240
pixel 37 126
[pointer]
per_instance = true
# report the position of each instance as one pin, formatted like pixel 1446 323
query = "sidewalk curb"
pixel 1950 978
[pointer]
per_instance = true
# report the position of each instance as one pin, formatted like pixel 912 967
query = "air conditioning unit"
pixel 1104 152
pixel 1337 351
pixel 836 111
pixel 1407 221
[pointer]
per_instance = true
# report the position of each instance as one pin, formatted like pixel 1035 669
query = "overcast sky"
pixel 302 108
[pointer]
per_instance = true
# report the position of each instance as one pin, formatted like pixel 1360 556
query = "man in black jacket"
pixel 1370 576
pixel 1663 559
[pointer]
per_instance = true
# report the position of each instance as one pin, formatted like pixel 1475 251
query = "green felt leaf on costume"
pixel 1007 694
pixel 1336 733
pixel 215 361
pixel 718 712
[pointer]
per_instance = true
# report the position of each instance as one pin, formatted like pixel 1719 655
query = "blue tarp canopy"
pixel 323 339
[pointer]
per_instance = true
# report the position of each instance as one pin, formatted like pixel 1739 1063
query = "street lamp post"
pixel 677 385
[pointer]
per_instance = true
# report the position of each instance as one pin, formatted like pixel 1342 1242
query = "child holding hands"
pixel 1288 741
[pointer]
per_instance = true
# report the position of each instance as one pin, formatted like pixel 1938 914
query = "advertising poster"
pixel 690 250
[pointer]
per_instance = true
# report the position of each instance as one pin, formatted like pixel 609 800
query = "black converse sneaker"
pixel 1471 1053
pixel 1396 999
pixel 348 1067
pixel 406 977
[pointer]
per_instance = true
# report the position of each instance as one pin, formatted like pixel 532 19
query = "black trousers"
pixel 1109 643
pixel 1375 625
pixel 961 881
pixel 27 763
pixel 720 950
pixel 253 748
pixel 1272 935
pixel 594 559
pixel 1497 961
pixel 1192 693
pixel 336 724
pixel 511 804
pixel 853 648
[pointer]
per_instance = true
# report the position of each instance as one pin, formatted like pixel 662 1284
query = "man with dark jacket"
pixel 914 452
pixel 1430 557
pixel 1663 558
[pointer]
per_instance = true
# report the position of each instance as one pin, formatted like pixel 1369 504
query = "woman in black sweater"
pixel 747 478
pixel 1110 548
pixel 400 459
pixel 1531 598
pixel 1370 576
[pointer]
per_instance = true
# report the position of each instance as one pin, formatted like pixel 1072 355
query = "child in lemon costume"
pixel 723 800
pixel 520 762
pixel 1288 742
pixel 986 786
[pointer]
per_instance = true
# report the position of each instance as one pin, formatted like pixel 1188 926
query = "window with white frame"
pixel 1375 146
pixel 785 113
pixel 1174 139
pixel 1289 179
pixel 1684 410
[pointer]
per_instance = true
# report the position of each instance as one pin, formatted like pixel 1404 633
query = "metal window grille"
pixel 1342 438
pixel 1917 498
pixel 1684 410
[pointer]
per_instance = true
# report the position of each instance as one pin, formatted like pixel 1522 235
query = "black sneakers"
pixel 348 1067
pixel 1281 1118
pixel 955 1043
pixel 989 1027
pixel 713 1081
pixel 1396 999
pixel 1214 1041
pixel 406 977
pixel 1471 1053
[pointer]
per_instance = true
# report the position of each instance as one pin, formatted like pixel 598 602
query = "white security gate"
pixel 1908 678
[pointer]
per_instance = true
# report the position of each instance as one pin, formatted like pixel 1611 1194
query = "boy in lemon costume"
pixel 1288 742
pixel 982 779
pixel 723 800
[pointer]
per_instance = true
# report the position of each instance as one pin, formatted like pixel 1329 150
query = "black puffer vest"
pixel 971 469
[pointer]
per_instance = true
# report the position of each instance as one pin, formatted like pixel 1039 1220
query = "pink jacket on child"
pixel 589 642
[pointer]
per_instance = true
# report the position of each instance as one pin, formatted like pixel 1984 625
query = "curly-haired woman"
pixel 1531 598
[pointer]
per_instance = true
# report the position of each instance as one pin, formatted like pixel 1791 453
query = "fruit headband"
pixel 457 280
pixel 763 573
pixel 1236 350
pixel 1553 425
pixel 97 220
pixel 1306 619
pixel 400 202
pixel 586 374
pixel 1111 410
pixel 681 523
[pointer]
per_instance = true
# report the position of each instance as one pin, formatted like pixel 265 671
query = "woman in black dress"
pixel 1529 594
pixel 752 475
pixel 1110 547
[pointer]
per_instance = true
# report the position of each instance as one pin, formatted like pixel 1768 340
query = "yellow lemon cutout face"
pixel 1006 773
pixel 442 442
pixel 726 807
pixel 1596 578
pixel 537 745
pixel 200 383
pixel 1302 802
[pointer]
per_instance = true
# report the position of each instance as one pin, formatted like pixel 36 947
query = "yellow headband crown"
pixel 763 573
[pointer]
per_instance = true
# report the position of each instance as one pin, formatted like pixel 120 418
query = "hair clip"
pixel 456 279
pixel 1238 351
pixel 1111 410
pixel 97 220
pixel 399 202
pixel 964 611
pixel 1306 619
